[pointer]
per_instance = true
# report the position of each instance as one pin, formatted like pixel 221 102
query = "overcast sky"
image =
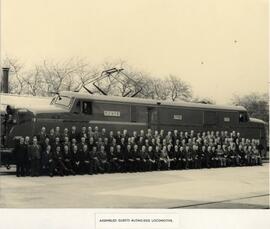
pixel 219 46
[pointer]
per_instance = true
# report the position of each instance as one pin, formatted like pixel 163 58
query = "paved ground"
pixel 243 187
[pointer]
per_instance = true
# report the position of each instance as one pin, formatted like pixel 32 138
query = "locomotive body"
pixel 117 113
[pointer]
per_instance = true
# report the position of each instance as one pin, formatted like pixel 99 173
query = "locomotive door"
pixel 210 119
pixel 152 117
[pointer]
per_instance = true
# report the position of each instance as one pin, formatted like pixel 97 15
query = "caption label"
pixel 153 221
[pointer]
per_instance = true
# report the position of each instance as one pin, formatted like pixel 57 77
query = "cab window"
pixel 243 117
pixel 87 107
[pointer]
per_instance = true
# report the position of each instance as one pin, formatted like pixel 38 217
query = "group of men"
pixel 92 151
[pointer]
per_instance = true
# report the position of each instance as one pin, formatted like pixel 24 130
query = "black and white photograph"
pixel 146 104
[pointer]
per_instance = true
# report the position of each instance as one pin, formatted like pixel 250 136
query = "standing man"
pixel 35 151
pixel 42 135
pixel 20 152
pixel 27 159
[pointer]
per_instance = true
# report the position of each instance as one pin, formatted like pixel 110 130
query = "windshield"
pixel 62 100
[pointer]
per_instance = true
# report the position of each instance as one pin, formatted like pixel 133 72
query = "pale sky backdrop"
pixel 219 46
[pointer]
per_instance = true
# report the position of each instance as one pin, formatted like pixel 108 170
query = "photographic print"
pixel 146 104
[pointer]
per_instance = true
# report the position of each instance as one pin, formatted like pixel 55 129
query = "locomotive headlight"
pixel 10 110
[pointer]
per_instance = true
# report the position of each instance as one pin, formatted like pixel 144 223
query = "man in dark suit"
pixel 74 134
pixel 103 162
pixel 59 168
pixel 76 160
pixel 35 151
pixel 20 153
pixel 120 154
pixel 67 161
pixel 130 160
pixel 47 163
pixel 137 158
pixel 152 159
pixel 85 160
pixel 45 143
pixel 172 157
pixel 190 160
pixel 94 162
pixel 42 135
pixel 145 163
pixel 113 161
pixel 27 159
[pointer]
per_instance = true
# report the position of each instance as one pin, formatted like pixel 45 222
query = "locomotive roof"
pixel 148 101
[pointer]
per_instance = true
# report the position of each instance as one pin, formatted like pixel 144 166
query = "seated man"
pixel 151 159
pixel 232 156
pixel 164 159
pixel 252 156
pixel 214 157
pixel 130 160
pixel 47 162
pixel 67 161
pixel 258 159
pixel 202 155
pixel 75 160
pixel 137 157
pixel 145 163
pixel 190 161
pixel 102 158
pixel 120 154
pixel 157 154
pixel 220 156
pixel 208 157
pixel 112 159
pixel 86 167
pixel 172 156
pixel 181 160
pixel 94 162
pixel 59 167
pixel 195 156
pixel 242 155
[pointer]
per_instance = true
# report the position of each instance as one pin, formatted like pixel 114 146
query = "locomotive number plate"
pixel 112 113
pixel 178 117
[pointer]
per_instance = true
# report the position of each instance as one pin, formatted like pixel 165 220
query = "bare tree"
pixel 202 100
pixel 72 74
pixel 130 81
pixel 178 89
pixel 257 104
pixel 169 88
pixel 35 84
pixel 16 83
pixel 67 75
